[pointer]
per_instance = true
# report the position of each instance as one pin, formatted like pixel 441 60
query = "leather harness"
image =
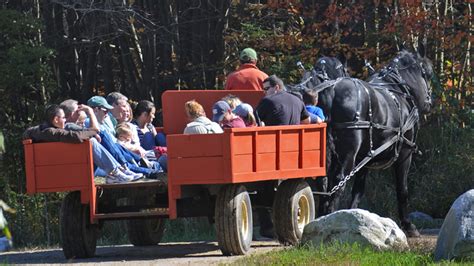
pixel 392 77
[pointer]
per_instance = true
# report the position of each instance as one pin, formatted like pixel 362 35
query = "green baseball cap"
pixel 248 54
pixel 99 101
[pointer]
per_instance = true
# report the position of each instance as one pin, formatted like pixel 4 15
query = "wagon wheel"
pixel 234 224
pixel 293 208
pixel 79 236
pixel 145 232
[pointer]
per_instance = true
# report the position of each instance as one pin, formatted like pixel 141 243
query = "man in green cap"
pixel 247 76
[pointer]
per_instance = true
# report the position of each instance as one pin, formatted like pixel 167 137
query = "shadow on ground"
pixel 207 251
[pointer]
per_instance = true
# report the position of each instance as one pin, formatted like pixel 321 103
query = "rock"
pixel 456 237
pixel 419 216
pixel 356 226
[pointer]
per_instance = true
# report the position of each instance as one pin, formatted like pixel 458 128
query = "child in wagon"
pixel 310 99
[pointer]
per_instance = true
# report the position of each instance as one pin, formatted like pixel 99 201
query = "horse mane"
pixel 407 61
pixel 330 68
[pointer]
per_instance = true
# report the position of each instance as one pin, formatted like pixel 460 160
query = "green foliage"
pixel 444 171
pixel 436 178
pixel 182 229
pixel 189 229
pixel 24 89
pixel 36 222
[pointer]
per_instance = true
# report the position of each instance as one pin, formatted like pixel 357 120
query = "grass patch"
pixel 189 229
pixel 339 254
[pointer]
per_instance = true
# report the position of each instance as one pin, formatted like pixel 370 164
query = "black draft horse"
pixel 373 125
pixel 326 68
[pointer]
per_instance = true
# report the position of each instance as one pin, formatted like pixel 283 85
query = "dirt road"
pixel 191 253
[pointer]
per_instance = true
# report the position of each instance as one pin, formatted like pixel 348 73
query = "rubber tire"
pixel 285 210
pixel 145 232
pixel 79 237
pixel 233 238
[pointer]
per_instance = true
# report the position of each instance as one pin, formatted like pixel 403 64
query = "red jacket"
pixel 247 77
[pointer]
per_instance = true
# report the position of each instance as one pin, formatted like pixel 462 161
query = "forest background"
pixel 52 50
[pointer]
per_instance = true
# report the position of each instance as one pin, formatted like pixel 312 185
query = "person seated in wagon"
pixel 199 123
pixel 53 130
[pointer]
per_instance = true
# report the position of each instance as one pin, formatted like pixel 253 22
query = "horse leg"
pixel 347 165
pixel 401 167
pixel 358 188
pixel 320 185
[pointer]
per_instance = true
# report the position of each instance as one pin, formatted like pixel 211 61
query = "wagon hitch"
pixel 319 193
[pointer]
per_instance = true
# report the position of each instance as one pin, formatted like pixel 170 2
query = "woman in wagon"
pixel 199 123
pixel 144 114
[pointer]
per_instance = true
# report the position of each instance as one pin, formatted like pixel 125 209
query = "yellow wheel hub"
pixel 303 212
pixel 244 221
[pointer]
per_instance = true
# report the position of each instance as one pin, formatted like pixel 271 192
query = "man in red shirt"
pixel 248 76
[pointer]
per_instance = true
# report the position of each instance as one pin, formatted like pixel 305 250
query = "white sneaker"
pixel 136 176
pixel 117 176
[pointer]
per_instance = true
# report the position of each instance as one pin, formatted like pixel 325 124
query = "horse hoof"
pixel 412 233
pixel 410 230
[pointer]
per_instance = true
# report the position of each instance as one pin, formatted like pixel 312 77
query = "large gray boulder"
pixel 356 226
pixel 456 237
pixel 420 217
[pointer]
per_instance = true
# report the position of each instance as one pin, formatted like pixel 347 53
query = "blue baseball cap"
pixel 218 111
pixel 243 110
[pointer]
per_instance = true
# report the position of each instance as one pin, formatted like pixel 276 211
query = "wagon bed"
pixel 200 167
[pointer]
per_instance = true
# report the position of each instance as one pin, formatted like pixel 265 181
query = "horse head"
pixel 415 71
pixel 326 68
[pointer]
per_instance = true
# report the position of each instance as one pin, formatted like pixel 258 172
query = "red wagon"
pixel 221 176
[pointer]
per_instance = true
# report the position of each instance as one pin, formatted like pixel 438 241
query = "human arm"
pixel 195 129
pixel 304 117
pixel 320 114
pixel 70 136
pixel 315 119
pixel 93 122
pixel 135 148
pixel 51 134
pixel 263 111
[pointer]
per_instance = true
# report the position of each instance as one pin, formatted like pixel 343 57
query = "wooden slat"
pixel 118 215
pixel 147 183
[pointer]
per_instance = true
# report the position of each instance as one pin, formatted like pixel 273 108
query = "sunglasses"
pixel 265 88
pixel 105 110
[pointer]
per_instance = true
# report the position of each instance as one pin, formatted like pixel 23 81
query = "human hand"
pixel 85 108
pixel 98 138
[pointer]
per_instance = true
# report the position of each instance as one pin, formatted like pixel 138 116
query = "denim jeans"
pixel 102 158
pixel 163 161
pixel 124 156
